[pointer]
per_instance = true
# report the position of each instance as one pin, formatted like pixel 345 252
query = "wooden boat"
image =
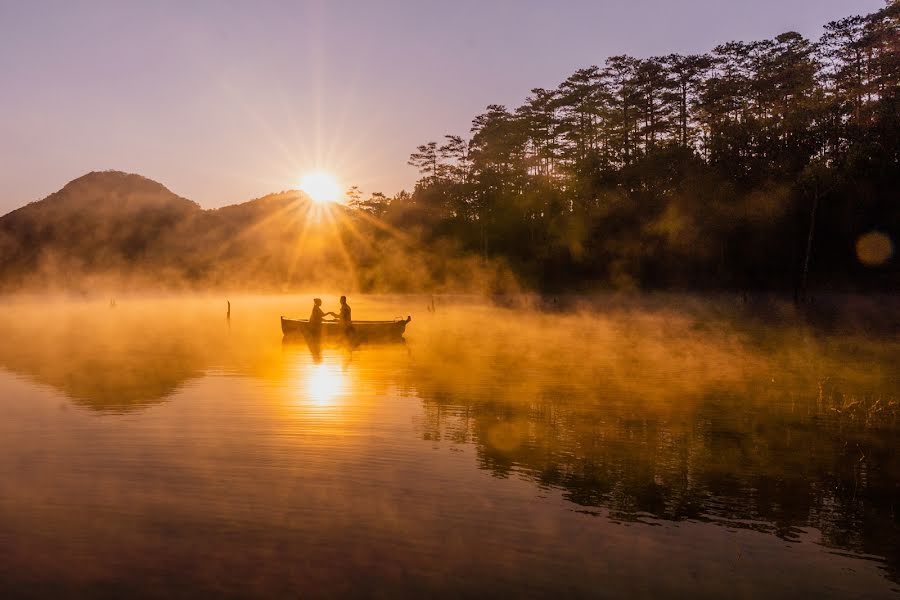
pixel 359 331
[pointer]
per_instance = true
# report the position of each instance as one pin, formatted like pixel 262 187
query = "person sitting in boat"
pixel 316 316
pixel 344 317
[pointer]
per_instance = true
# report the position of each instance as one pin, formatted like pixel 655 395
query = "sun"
pixel 321 187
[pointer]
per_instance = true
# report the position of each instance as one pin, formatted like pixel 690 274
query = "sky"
pixel 224 101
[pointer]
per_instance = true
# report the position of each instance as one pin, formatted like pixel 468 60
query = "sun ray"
pixel 223 248
pixel 292 206
pixel 298 248
pixel 342 248
pixel 344 219
pixel 396 233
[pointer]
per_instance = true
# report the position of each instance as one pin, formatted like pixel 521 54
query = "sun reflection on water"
pixel 324 383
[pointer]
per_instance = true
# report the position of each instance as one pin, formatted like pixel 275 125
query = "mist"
pixel 648 316
pixel 112 233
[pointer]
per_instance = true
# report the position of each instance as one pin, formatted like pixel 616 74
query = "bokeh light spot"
pixel 874 248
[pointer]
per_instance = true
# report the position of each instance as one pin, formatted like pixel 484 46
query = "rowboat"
pixel 359 330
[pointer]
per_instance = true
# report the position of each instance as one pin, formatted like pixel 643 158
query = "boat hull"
pixel 358 331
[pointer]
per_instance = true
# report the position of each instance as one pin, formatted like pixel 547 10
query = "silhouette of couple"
pixel 317 315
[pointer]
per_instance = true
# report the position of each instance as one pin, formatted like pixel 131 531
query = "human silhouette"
pixel 345 318
pixel 316 316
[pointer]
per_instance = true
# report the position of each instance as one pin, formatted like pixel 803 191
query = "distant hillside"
pixel 118 231
pixel 98 220
pixel 112 228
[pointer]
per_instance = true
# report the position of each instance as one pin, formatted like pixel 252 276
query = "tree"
pixel 619 75
pixel 354 195
pixel 425 159
pixel 376 205
pixel 694 171
pixel 687 73
pixel 582 99
pixel 653 87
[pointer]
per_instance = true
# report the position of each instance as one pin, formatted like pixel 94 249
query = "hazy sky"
pixel 226 101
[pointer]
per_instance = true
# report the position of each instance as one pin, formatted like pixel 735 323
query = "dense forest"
pixel 768 165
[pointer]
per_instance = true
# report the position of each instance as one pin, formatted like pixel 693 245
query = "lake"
pixel 651 447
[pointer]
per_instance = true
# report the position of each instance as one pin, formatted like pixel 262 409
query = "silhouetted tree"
pixel 757 165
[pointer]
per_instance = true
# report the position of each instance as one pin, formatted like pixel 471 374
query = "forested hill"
pixel 106 228
pixel 772 164
pixel 111 232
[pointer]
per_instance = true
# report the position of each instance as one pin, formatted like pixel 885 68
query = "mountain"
pixel 120 229
pixel 106 216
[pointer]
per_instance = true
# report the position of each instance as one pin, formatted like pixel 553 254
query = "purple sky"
pixel 225 101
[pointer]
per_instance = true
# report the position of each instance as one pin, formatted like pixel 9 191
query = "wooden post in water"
pixel 803 297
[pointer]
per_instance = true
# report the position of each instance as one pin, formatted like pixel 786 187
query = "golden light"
pixel 324 383
pixel 321 187
pixel 874 248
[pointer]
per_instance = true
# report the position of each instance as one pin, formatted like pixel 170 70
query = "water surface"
pixel 667 448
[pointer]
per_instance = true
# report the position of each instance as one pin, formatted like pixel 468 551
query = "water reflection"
pixel 771 431
pixel 324 383
pixel 642 416
pixel 107 360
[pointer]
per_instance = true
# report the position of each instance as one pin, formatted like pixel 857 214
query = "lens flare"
pixel 874 248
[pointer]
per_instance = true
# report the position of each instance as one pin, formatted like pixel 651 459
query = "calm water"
pixel 673 450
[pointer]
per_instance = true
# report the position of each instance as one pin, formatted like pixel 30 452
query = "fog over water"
pixel 618 445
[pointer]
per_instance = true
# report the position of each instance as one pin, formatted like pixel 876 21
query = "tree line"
pixel 758 165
